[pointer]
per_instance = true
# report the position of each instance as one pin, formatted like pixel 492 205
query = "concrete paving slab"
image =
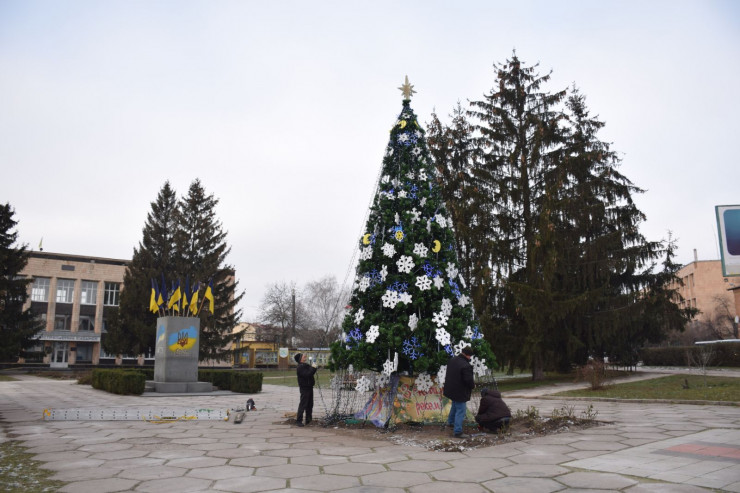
pixel 152 472
pixel 395 479
pixel 287 471
pixel 324 482
pixel 448 487
pixel 99 486
pixel 249 484
pixel 354 469
pixel 594 480
pixel 220 472
pixel 515 484
pixel 174 485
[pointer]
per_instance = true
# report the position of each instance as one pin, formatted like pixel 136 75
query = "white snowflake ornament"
pixel 439 283
pixel 382 380
pixel 383 273
pixel 452 270
pixel 415 215
pixel 389 250
pixel 366 253
pixel 363 384
pixel 440 319
pixel 413 321
pixel 460 346
pixel 420 250
pixel 423 176
pixel 364 284
pixel 405 264
pixel 468 333
pixel 423 200
pixel 463 300
pixel 423 382
pixel 441 375
pixel 372 334
pixel 479 366
pixel 441 220
pixel 446 307
pixel 404 298
pixel 359 316
pixel 390 299
pixel 385 179
pixel 402 194
pixel 423 283
pixel 442 336
pixel 397 218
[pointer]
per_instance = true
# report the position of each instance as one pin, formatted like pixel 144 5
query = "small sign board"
pixel 728 226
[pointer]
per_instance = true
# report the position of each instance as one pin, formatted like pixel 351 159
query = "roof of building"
pixel 79 258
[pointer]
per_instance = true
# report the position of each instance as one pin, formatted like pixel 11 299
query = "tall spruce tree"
pixel 17 326
pixel 409 298
pixel 134 330
pixel 518 128
pixel 571 274
pixel 200 255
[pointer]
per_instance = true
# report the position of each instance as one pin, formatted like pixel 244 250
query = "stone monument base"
pixel 179 387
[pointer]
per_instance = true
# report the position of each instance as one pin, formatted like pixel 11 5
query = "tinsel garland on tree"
pixel 410 309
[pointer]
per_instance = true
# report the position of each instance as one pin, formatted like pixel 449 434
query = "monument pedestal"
pixel 176 357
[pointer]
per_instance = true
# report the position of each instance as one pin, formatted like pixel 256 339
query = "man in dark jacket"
pixel 459 384
pixel 493 413
pixel 306 382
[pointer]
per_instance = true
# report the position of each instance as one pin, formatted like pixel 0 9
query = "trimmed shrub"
pixel 119 381
pixel 219 378
pixel 246 382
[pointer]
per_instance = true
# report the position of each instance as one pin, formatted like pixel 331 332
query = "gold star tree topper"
pixel 407 89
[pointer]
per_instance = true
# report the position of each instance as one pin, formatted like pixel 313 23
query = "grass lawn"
pixel 726 389
pixel 6 378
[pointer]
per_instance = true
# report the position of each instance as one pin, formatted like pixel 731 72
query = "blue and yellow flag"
pixel 209 295
pixel 194 299
pixel 175 298
pixel 153 306
pixel 185 294
pixel 162 300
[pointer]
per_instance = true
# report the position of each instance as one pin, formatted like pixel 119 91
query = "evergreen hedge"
pixel 119 381
pixel 725 354
pixel 236 381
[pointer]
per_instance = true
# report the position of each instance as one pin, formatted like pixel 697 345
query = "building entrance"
pixel 59 354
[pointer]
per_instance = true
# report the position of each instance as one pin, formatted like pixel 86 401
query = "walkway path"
pixel 647 447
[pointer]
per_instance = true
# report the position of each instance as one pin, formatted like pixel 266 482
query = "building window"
pixel 86 323
pixel 84 352
pixel 112 293
pixel 61 322
pixel 40 289
pixel 65 290
pixel 88 292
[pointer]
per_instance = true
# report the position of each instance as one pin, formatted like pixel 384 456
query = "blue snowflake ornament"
pixel 412 348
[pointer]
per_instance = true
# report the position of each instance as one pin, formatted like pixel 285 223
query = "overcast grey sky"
pixel 282 109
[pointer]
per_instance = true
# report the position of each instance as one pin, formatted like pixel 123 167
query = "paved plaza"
pixel 646 447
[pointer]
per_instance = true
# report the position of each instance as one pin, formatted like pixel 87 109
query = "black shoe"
pixel 461 435
pixel 299 424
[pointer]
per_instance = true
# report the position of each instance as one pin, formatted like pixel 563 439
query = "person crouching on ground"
pixel 459 384
pixel 493 413
pixel 306 382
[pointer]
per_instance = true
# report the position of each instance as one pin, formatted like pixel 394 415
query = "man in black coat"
pixel 306 382
pixel 493 413
pixel 459 384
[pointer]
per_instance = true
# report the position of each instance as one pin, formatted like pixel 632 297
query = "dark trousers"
pixel 495 425
pixel 306 404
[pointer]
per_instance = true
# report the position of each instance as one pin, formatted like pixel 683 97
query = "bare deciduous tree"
pixel 282 308
pixel 325 303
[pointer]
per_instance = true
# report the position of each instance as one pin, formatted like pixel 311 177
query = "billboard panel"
pixel 728 224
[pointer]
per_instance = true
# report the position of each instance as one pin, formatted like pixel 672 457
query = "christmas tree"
pixel 410 309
